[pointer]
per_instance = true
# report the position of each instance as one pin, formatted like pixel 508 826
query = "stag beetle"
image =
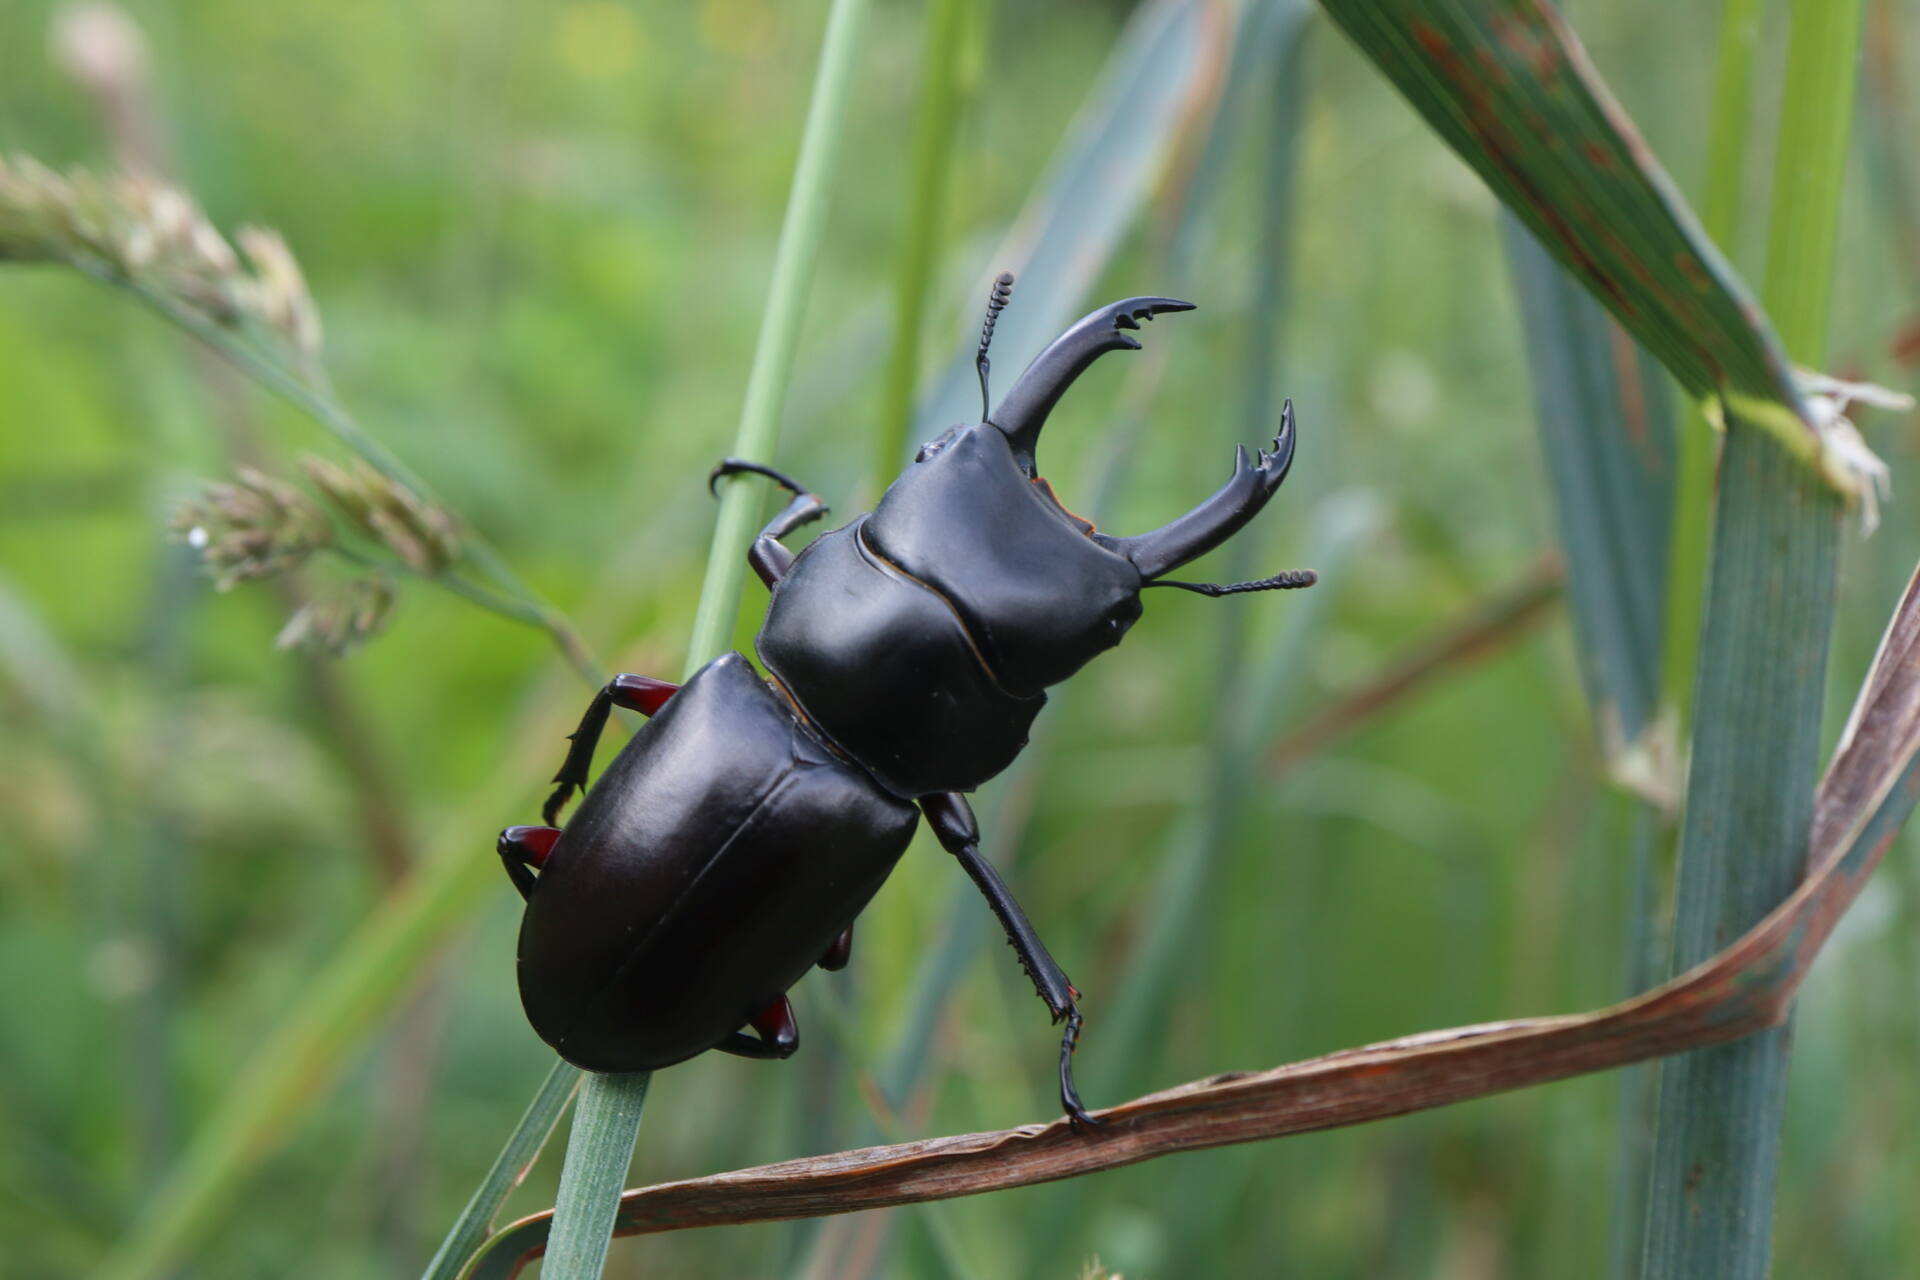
pixel 729 846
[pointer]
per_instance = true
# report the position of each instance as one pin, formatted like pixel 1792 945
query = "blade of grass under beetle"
pixel 607 1118
pixel 1869 790
pixel 1509 88
pixel 1757 704
pixel 509 1169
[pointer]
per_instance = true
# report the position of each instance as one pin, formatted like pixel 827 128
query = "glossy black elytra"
pixel 729 846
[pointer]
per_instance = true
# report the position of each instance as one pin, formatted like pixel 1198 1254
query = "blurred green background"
pixel 540 235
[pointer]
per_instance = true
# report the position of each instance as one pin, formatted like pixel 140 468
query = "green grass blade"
pixel 1606 429
pixel 943 51
pixel 598 1153
pixel 1508 86
pixel 1749 802
pixel 1720 208
pixel 794 260
pixel 1697 451
pixel 509 1168
pixel 1608 439
pixel 1091 196
pixel 1757 706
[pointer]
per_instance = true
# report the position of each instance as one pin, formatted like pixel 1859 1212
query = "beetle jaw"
pixel 1023 412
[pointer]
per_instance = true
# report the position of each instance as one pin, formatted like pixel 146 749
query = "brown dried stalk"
pixel 1868 791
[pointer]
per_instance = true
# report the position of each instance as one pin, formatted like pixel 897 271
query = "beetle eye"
pixel 933 447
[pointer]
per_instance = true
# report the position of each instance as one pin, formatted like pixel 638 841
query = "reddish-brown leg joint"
pixel 640 693
pixel 777 1026
pixel 636 693
pixel 777 1034
pixel 523 847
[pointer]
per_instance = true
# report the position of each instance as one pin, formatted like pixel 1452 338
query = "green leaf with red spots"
pixel 1508 86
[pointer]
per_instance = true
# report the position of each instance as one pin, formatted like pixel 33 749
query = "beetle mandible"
pixel 729 846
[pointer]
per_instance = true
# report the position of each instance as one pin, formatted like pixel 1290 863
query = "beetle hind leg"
pixel 839 952
pixel 776 1033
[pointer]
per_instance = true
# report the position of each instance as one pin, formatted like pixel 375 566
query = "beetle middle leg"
pixel 951 818
pixel 634 693
pixel 768 556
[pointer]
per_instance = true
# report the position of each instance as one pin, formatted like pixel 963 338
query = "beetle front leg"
pixel 635 693
pixel 768 556
pixel 951 818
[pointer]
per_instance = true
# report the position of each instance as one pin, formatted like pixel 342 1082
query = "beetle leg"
pixel 837 954
pixel 777 1034
pixel 771 560
pixel 635 693
pixel 952 821
pixel 523 847
pixel 1219 517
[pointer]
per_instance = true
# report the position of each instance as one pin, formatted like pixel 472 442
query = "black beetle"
pixel 729 846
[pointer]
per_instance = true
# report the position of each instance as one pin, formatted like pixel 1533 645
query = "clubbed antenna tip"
pixel 997 299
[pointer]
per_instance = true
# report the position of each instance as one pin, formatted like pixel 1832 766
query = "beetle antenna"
pixel 996 303
pixel 1288 581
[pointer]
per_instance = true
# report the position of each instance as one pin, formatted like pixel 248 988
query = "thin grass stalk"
pixel 599 1150
pixel 794 260
pixel 1607 434
pixel 943 54
pixel 1758 699
pixel 512 598
pixel 606 1121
